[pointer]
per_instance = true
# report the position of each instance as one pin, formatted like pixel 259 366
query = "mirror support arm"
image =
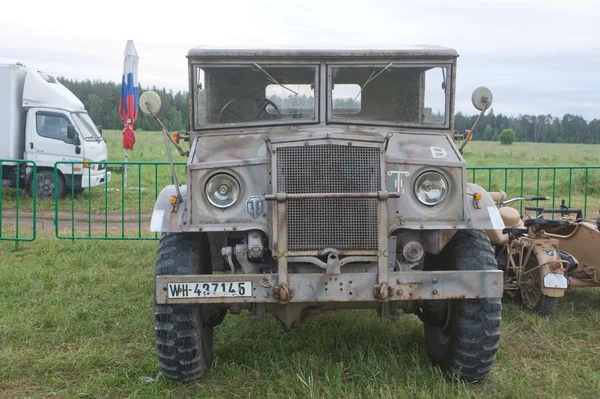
pixel 167 139
pixel 473 129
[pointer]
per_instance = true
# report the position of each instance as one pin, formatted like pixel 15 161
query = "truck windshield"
pixel 255 94
pixel 86 126
pixel 389 94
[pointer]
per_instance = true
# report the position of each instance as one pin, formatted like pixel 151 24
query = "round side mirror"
pixel 482 98
pixel 150 103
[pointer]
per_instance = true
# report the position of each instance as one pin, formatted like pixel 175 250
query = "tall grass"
pixel 76 321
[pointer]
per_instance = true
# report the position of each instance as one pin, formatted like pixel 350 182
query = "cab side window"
pixel 52 126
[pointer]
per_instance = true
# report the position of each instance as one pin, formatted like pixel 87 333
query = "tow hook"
pixel 283 293
pixel 382 292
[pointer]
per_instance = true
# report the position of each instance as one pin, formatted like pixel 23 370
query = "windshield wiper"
pixel 272 79
pixel 371 78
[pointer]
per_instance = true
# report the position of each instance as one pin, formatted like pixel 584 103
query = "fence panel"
pixel 18 200
pixel 578 186
pixel 118 208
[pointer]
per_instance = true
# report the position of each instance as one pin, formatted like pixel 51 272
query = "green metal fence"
pixel 117 208
pixel 18 200
pixel 121 209
pixel 578 186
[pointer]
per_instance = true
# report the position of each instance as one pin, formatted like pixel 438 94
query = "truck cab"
pixel 325 179
pixel 42 121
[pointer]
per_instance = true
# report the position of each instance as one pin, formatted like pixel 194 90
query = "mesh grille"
pixel 349 223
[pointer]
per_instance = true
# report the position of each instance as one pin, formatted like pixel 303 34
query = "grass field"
pixel 152 178
pixel 76 321
pixel 132 205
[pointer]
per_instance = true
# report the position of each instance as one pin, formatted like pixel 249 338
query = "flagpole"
pixel 125 167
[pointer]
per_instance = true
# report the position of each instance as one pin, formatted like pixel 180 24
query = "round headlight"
pixel 222 190
pixel 431 188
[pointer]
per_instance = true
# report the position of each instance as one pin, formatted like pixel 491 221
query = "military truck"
pixel 318 180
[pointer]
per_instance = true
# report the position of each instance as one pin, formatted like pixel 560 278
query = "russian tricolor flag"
pixel 128 103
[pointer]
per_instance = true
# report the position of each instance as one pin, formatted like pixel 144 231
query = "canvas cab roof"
pixel 321 52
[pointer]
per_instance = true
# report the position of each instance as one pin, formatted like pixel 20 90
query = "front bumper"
pixel 345 287
pixel 95 179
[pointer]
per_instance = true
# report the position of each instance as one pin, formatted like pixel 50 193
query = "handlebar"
pixel 562 211
pixel 528 198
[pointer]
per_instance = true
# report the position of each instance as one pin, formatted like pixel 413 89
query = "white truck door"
pixel 46 139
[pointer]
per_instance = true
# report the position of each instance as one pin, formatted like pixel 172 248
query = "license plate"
pixel 552 280
pixel 210 290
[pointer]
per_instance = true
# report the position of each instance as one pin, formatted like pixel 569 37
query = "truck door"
pixel 47 141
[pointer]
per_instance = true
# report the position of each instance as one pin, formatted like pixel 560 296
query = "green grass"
pixel 559 184
pixel 76 321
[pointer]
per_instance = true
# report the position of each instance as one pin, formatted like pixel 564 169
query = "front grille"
pixel 345 223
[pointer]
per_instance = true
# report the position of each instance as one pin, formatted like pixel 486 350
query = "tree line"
pixel 101 99
pixel 533 128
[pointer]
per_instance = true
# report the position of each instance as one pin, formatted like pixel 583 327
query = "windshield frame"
pixel 96 136
pixel 380 64
pixel 194 77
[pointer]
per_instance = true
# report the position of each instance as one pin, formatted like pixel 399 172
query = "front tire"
pixel 45 186
pixel 184 333
pixel 462 335
pixel 530 291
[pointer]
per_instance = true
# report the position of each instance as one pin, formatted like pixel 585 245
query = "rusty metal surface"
pixel 348 287
pixel 308 196
pixel 330 180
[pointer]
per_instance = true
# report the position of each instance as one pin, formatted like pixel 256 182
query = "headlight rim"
pixel 444 178
pixel 237 184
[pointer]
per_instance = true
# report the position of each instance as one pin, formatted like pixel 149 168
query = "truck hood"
pixel 403 146
pixel 45 91
pixel 95 151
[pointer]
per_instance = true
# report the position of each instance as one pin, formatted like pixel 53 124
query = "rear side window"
pixel 52 126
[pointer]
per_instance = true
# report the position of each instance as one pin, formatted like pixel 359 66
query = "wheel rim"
pixel 531 285
pixel 45 188
pixel 443 332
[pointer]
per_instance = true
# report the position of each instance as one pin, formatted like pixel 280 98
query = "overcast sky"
pixel 537 56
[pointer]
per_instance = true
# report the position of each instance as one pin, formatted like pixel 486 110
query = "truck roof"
pixel 321 52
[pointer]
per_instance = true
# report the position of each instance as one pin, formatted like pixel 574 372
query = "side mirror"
pixel 150 103
pixel 71 132
pixel 482 98
pixel 72 135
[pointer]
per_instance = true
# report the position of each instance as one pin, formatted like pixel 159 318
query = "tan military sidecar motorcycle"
pixel 534 272
pixel 579 243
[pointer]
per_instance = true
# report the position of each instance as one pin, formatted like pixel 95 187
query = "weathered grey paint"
pixel 348 287
pixel 249 154
pixel 294 53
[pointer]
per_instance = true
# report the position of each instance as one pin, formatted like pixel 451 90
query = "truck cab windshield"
pixel 86 126
pixel 255 94
pixel 389 94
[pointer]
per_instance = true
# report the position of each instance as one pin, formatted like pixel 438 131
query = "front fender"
pixel 164 220
pixel 546 254
pixel 483 214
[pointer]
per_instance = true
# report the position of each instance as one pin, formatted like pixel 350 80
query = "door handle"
pixel 30 145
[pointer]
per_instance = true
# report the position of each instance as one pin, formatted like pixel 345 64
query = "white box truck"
pixel 42 121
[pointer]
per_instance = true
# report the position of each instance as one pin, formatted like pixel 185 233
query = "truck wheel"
pixel 530 292
pixel 45 185
pixel 462 335
pixel 184 333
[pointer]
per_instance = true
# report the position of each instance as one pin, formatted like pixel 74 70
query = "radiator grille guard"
pixel 342 223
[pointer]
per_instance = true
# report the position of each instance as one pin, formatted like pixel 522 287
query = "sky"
pixel 537 57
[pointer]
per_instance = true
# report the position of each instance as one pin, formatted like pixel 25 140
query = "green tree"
pixel 507 136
